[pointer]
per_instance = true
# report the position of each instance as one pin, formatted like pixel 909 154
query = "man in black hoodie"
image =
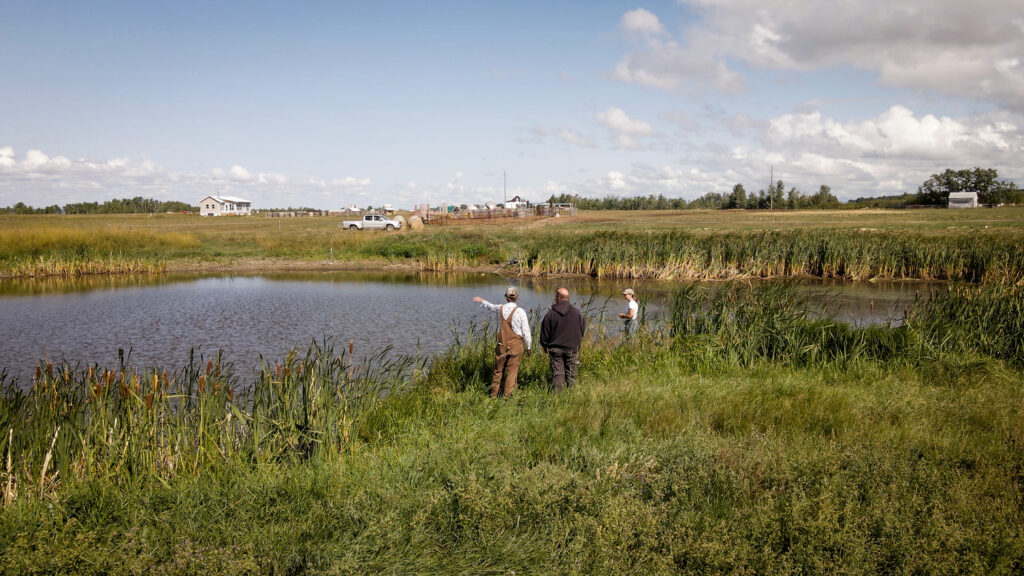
pixel 561 333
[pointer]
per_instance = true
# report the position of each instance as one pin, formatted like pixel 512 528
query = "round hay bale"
pixel 415 223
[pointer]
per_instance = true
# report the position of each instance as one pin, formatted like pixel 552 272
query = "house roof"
pixel 233 199
pixel 963 195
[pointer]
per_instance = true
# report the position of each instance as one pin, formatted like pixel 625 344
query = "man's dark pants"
pixel 563 367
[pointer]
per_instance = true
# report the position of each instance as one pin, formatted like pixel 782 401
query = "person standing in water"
pixel 630 315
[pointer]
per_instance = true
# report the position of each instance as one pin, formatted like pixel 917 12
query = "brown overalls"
pixel 507 356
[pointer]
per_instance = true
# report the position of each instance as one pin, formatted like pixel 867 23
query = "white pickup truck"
pixel 372 222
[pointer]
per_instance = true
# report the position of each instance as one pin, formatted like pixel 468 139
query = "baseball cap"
pixel 628 291
pixel 511 292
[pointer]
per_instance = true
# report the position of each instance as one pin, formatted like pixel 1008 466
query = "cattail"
pixel 156 383
pixel 149 401
pixel 209 366
pixel 39 373
pixel 278 371
pixel 202 383
pixel 135 383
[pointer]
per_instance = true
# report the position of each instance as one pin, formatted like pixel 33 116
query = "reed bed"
pixel 753 324
pixel 832 254
pixel 130 427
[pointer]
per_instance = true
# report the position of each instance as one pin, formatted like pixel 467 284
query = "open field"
pixel 750 440
pixel 977 245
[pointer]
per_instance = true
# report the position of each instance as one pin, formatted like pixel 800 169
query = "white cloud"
pixel 897 134
pixel 641 21
pixel 239 173
pixel 40 180
pixel 617 120
pixel 616 181
pixel 892 153
pixel 954 47
pixel 35 158
pixel 570 136
pixel 674 66
pixel 351 182
pixel 623 130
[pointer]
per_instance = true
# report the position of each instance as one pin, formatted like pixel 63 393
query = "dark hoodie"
pixel 562 327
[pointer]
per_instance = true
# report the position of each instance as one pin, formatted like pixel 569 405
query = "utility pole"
pixel 504 175
pixel 771 189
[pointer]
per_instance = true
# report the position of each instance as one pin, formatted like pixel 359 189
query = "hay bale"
pixel 415 223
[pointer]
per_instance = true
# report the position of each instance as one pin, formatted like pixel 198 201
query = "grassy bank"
pixel 747 442
pixel 979 246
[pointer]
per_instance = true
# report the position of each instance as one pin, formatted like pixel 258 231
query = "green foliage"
pixel 936 189
pixel 137 205
pixel 650 202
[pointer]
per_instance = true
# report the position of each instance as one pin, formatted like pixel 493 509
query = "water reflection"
pixel 162 317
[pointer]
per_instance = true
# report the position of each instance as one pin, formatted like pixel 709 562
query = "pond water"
pixel 161 319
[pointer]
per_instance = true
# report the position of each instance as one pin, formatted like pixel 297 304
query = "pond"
pixel 160 319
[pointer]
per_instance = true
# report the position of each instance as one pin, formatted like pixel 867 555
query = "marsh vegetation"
pixel 746 437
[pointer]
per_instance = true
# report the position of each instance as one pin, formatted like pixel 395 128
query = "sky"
pixel 330 104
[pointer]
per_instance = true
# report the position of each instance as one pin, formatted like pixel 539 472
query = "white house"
pixel 221 205
pixel 516 203
pixel 963 200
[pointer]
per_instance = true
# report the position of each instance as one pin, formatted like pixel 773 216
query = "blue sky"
pixel 328 104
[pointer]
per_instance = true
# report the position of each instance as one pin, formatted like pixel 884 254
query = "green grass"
pixel 675 454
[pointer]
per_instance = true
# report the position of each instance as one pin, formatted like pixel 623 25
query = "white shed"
pixel 963 200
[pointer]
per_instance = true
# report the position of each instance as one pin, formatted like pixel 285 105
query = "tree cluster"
pixel 137 205
pixel 935 191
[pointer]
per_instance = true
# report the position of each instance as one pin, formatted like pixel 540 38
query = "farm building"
pixel 517 203
pixel 963 200
pixel 222 205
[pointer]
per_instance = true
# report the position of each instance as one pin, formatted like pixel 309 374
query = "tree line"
pixel 933 192
pixel 137 205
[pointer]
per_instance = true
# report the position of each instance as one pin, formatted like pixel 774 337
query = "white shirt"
pixel 520 323
pixel 632 308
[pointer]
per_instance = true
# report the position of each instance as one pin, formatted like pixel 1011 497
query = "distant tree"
pixel 900 201
pixel 760 202
pixel 712 200
pixel 1002 193
pixel 936 189
pixel 775 196
pixel 794 199
pixel 738 198
pixel 823 198
pixel 137 205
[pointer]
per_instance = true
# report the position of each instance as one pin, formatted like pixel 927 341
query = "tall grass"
pixel 747 325
pixel 54 251
pixel 130 427
pixel 852 255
